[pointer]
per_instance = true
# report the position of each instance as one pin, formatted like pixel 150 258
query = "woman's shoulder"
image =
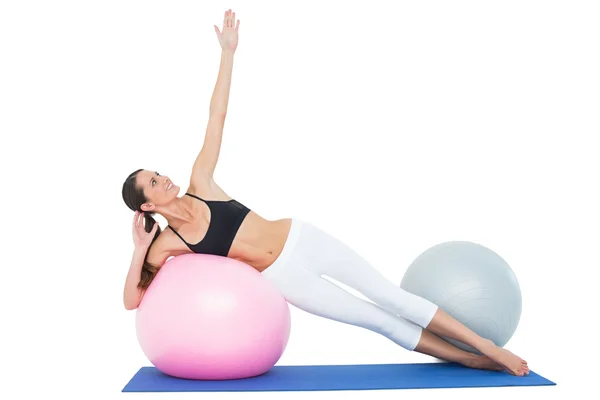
pixel 163 247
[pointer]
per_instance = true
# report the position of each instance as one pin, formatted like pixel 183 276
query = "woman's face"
pixel 158 189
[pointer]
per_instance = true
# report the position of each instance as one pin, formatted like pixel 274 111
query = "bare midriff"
pixel 259 242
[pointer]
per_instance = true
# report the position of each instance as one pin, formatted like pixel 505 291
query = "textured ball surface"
pixel 471 283
pixel 211 317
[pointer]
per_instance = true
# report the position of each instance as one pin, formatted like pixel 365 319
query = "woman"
pixel 293 254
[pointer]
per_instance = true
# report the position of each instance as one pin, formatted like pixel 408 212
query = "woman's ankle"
pixel 485 345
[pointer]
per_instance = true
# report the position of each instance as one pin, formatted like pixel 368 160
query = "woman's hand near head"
pixel 142 239
pixel 228 38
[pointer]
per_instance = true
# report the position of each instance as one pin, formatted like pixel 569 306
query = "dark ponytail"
pixel 134 198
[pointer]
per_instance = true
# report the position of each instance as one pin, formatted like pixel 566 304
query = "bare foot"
pixel 512 363
pixel 483 362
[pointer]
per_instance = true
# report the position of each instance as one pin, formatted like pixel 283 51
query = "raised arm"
pixel 206 161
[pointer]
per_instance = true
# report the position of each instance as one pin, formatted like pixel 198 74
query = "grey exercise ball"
pixel 471 283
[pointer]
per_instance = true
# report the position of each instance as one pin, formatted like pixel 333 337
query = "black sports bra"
pixel 226 218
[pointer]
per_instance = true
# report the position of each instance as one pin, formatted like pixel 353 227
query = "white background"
pixel 394 126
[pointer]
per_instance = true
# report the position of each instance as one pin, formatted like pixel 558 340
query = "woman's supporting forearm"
pixel 131 292
pixel 220 97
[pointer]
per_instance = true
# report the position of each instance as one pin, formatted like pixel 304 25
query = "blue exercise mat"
pixel 339 377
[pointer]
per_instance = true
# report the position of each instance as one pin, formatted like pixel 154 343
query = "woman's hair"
pixel 134 197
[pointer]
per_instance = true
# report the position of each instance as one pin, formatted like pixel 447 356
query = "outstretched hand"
pixel 228 38
pixel 142 239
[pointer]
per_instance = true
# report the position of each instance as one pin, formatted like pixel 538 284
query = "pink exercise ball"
pixel 212 318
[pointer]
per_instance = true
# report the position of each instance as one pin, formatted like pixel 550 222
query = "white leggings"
pixel 310 253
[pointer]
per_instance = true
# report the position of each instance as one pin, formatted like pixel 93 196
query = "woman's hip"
pixel 287 250
pixel 310 249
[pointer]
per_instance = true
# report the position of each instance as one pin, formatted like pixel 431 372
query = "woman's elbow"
pixel 129 301
pixel 131 306
pixel 133 301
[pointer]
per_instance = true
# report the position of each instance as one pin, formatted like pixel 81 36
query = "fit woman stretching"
pixel 293 254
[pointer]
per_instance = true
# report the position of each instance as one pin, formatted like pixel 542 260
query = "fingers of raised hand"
pixel 226 19
pixel 229 20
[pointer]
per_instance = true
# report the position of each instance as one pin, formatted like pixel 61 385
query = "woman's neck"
pixel 178 212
